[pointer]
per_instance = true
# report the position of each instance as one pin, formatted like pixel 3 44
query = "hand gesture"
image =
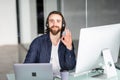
pixel 67 39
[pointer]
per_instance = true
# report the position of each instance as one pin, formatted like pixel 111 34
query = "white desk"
pixel 83 77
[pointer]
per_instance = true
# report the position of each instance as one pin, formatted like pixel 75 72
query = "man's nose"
pixel 54 23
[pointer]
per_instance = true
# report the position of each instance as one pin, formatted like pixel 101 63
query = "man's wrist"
pixel 69 47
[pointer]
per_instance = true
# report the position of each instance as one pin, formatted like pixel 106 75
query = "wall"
pixel 103 12
pixel 8 23
pixel 90 13
pixel 28 21
pixel 74 13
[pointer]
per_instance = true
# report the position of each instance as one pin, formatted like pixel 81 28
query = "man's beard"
pixel 55 32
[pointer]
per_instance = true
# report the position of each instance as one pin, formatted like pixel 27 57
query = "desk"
pixel 82 77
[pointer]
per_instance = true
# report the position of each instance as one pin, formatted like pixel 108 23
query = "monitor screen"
pixel 91 43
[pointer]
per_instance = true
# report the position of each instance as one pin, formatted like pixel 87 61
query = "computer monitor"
pixel 92 41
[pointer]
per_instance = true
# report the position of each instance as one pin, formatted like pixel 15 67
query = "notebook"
pixel 33 71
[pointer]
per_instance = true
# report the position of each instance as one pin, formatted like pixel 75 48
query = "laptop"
pixel 33 71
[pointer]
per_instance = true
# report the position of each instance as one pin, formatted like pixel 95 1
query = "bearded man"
pixel 53 47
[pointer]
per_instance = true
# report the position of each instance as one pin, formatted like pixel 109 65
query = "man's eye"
pixel 58 21
pixel 51 20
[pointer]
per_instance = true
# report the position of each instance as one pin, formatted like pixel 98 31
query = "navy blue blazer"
pixel 40 52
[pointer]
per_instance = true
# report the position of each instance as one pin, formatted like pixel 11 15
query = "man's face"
pixel 55 23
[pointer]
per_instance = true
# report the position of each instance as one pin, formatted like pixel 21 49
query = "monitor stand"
pixel 107 70
pixel 109 67
pixel 117 65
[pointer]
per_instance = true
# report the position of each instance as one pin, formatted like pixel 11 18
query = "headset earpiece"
pixel 63 25
pixel 47 24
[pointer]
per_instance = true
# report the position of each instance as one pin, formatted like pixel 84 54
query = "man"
pixel 53 47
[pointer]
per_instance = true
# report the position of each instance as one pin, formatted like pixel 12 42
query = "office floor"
pixel 10 54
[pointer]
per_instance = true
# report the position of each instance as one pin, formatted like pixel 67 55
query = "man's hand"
pixel 67 39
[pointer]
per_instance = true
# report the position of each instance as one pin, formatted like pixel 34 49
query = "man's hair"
pixel 63 21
